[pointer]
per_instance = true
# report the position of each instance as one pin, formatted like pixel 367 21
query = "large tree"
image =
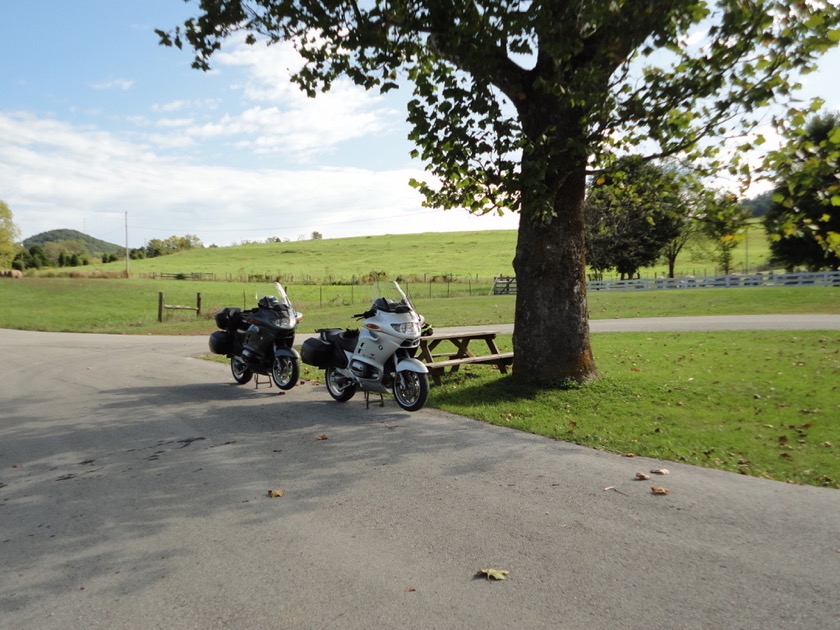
pixel 9 234
pixel 515 101
pixel 631 213
pixel 803 221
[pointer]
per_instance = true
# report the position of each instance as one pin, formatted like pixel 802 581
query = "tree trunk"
pixel 551 331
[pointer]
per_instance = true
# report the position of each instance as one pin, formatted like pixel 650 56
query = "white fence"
pixel 818 278
pixel 504 285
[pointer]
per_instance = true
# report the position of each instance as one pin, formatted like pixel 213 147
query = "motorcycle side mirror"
pixel 299 316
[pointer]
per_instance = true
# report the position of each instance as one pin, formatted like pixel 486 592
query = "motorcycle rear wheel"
pixel 411 389
pixel 240 370
pixel 285 372
pixel 340 388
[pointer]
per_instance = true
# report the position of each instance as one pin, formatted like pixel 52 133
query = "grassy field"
pixel 131 306
pixel 762 404
pixel 477 256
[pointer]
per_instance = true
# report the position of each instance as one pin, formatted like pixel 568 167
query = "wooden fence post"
pixel 160 306
pixel 198 303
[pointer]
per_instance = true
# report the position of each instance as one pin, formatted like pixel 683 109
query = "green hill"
pixel 431 255
pixel 94 246
pixel 422 257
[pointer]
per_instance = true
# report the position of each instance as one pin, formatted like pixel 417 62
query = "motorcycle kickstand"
pixel 257 382
pixel 367 400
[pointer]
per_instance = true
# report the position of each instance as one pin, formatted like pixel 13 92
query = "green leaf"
pixel 815 20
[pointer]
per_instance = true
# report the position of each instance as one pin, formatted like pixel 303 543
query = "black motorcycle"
pixel 260 340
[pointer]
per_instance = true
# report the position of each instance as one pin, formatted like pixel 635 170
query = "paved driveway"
pixel 133 483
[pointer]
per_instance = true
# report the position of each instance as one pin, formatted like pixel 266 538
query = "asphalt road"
pixel 133 494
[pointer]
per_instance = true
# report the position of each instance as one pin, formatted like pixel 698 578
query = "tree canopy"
pixel 803 220
pixel 632 212
pixel 172 245
pixel 9 234
pixel 515 102
pixel 724 220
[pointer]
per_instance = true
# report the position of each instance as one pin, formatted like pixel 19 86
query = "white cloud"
pixel 115 84
pixel 283 118
pixel 264 114
pixel 174 122
pixel 55 175
pixel 186 104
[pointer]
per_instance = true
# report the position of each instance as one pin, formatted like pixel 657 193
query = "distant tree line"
pixel 163 247
pixel 75 253
pixel 52 254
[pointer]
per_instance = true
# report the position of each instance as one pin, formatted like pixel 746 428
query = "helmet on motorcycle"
pixel 390 306
pixel 269 301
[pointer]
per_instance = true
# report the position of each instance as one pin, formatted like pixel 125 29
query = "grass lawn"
pixel 765 404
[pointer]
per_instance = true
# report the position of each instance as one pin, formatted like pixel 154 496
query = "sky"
pixel 106 132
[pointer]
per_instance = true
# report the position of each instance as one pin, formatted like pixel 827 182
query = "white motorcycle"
pixel 379 357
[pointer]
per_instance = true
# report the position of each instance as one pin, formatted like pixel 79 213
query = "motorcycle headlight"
pixel 407 328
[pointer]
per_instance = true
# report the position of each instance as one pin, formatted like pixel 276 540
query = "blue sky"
pixel 97 120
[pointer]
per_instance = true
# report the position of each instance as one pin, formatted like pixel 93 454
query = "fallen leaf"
pixel 656 490
pixel 323 436
pixel 629 455
pixel 493 574
pixel 275 494
pixel 661 471
pixel 642 476
pixel 411 589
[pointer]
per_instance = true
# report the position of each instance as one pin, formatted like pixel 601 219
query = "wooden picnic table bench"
pixel 453 358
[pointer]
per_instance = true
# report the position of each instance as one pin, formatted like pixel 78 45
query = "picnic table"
pixel 456 352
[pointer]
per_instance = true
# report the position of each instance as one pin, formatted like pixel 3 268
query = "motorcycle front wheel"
pixel 411 389
pixel 285 372
pixel 340 388
pixel 240 370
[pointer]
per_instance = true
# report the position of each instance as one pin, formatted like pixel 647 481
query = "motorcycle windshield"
pixel 387 295
pixel 281 294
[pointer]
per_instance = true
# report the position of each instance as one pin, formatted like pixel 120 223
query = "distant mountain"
pixel 94 246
